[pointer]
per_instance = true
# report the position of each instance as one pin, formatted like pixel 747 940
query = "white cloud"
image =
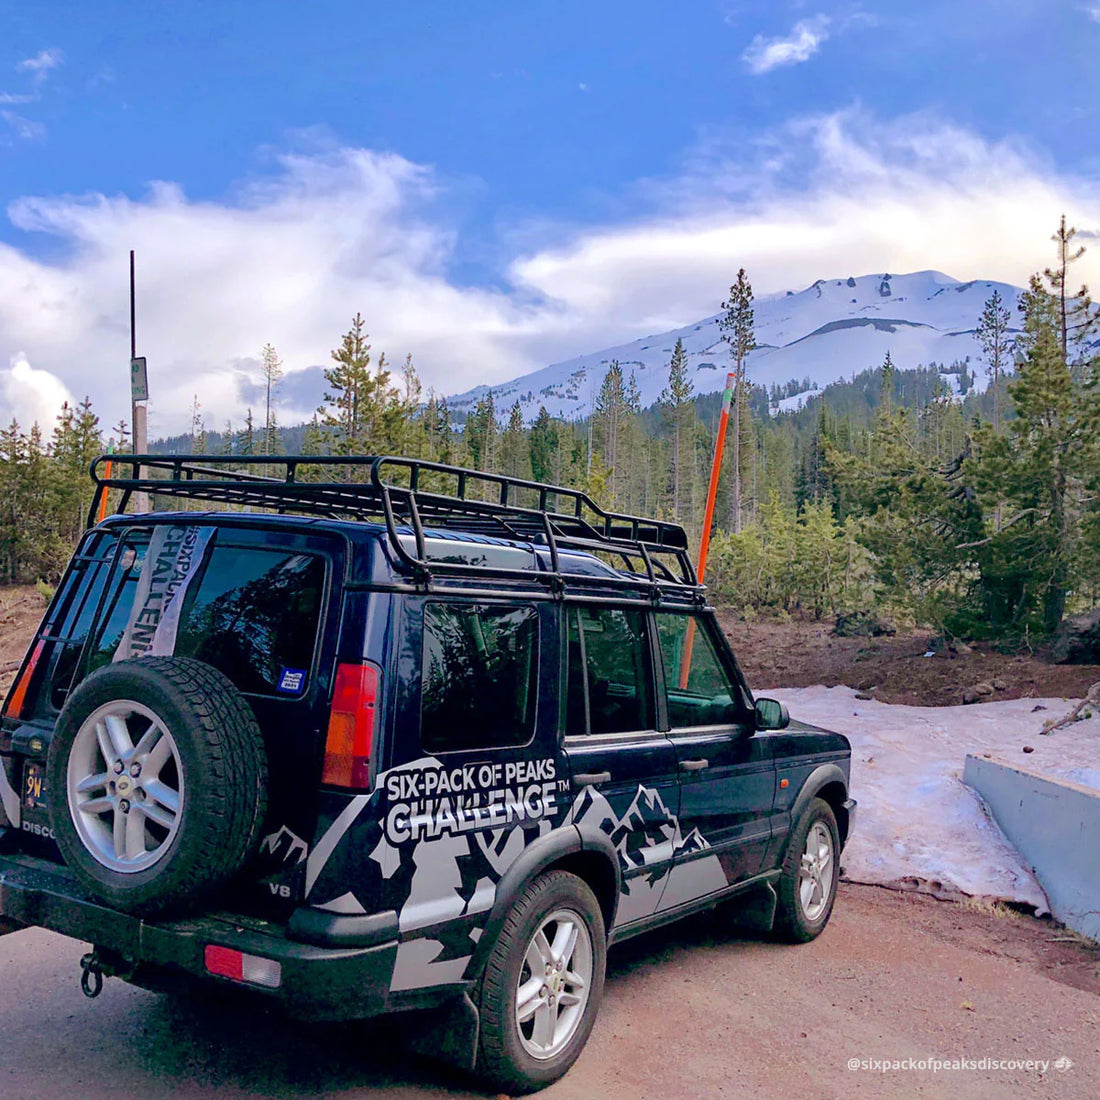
pixel 1094 12
pixel 41 64
pixel 291 257
pixel 830 196
pixel 25 129
pixel 31 395
pixel 765 54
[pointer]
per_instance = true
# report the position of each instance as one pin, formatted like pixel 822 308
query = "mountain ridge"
pixel 827 332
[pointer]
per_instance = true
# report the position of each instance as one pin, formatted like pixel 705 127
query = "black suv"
pixel 419 737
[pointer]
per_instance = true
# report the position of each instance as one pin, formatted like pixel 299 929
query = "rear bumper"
pixel 317 982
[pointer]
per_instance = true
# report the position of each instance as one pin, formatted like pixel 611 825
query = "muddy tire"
pixel 542 985
pixel 158 783
pixel 811 872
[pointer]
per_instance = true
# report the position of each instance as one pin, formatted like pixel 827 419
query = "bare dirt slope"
pixel 21 608
pixel 892 670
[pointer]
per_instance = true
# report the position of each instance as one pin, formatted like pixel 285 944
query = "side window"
pixel 78 603
pixel 479 676
pixel 119 599
pixel 610 681
pixel 700 691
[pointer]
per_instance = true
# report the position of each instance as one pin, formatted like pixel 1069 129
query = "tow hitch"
pixel 97 965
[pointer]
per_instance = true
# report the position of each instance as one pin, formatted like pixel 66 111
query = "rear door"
pixel 623 769
pixel 260 606
pixel 727 775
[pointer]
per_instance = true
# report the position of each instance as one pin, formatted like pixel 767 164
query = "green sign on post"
pixel 139 379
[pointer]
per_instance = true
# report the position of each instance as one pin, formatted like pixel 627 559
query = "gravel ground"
pixel 696 1010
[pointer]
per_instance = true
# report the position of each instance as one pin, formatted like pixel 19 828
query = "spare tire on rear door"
pixel 158 782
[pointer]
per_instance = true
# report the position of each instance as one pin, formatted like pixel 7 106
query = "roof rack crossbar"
pixel 407 493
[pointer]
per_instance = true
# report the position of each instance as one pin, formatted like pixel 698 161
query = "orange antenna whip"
pixel 708 518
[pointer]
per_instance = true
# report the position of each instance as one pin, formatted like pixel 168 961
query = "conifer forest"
pixel 974 509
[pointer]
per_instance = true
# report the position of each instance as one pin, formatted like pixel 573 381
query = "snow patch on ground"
pixel 918 825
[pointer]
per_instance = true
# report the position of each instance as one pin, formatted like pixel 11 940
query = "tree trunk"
pixel 735 509
pixel 1054 599
pixel 676 466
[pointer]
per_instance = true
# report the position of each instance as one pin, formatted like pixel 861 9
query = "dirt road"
pixel 693 1011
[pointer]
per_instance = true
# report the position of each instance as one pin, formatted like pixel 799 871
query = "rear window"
pixel 251 613
pixel 479 676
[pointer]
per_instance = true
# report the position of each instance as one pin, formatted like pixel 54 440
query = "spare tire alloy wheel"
pixel 125 786
pixel 159 783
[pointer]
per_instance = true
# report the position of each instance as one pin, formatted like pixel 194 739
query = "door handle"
pixel 694 765
pixel 591 779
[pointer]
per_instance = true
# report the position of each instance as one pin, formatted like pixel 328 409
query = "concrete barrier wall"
pixel 1055 825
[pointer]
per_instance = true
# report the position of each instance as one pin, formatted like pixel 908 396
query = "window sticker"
pixel 171 564
pixel 291 680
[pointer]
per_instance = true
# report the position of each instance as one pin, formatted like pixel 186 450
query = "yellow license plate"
pixel 34 786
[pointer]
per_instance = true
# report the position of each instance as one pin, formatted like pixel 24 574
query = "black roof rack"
pixel 407 495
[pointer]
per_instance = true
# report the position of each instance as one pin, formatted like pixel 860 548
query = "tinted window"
pixel 610 686
pixel 253 614
pixel 78 602
pixel 700 692
pixel 479 676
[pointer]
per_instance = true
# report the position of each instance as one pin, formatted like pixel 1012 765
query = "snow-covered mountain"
pixel 829 331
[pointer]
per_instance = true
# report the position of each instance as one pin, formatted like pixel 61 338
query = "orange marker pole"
pixel 106 492
pixel 708 519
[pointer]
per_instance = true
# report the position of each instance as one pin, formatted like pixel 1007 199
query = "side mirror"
pixel 771 715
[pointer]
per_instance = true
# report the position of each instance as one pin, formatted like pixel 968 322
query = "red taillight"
pixel 351 727
pixel 225 962
pixel 18 696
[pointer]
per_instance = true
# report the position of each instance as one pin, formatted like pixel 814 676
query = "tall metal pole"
pixel 133 310
pixel 708 519
pixel 138 426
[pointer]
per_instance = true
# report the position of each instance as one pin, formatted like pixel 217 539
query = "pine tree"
pixel 616 403
pixel 677 405
pixel 1035 473
pixel 480 434
pixel 996 346
pixel 313 439
pixel 1077 317
pixel 514 449
pixel 813 483
pixel 544 445
pixel 272 367
pixel 246 438
pixel 736 324
pixel 198 428
pixel 120 437
pixel 889 380
pixel 225 447
pixel 364 409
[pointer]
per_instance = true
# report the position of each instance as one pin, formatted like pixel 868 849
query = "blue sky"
pixel 496 185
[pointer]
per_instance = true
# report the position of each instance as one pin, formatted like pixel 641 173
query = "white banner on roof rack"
pixel 171 564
